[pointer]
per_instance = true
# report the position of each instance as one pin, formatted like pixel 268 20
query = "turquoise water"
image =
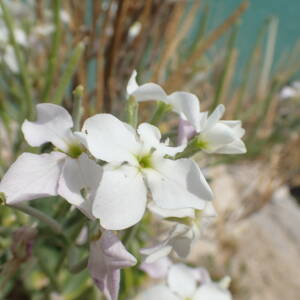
pixel 287 12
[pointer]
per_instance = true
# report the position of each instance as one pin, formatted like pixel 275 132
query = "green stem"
pixel 132 111
pixel 68 73
pixel 161 109
pixel 55 226
pixel 77 107
pixel 53 58
pixel 21 63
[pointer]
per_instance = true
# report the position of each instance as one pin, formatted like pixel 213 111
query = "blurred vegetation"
pixel 97 44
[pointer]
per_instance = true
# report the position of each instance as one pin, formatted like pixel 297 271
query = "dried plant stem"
pixel 176 76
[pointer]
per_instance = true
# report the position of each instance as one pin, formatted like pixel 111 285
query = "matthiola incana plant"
pixel 120 175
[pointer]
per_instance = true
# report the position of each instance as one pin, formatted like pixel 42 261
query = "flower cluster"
pixel 113 172
pixel 186 283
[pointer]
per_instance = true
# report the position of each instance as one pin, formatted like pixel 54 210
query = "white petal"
pixel 182 281
pixel 80 176
pixel 32 176
pixel 215 116
pixel 158 269
pixel 211 291
pixel 121 198
pixel 132 84
pixel 109 139
pixel 236 147
pixel 150 136
pixel 218 136
pixel 177 184
pixel 187 105
pixel 167 213
pixel 157 252
pixel 53 125
pixel 179 239
pixel 150 91
pixel 107 257
pixel 236 126
pixel 159 292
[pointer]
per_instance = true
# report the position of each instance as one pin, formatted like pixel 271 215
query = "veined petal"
pixel 107 257
pixel 158 292
pixel 187 106
pixel 215 116
pixel 211 291
pixel 53 125
pixel 79 181
pixel 181 280
pixel 109 139
pixel 32 176
pixel 150 91
pixel 177 184
pixel 120 200
pixel 132 84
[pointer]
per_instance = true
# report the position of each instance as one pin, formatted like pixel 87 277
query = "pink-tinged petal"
pixel 107 257
pixel 132 84
pixel 181 281
pixel 32 176
pixel 157 269
pixel 53 125
pixel 150 91
pixel 177 184
pixel 187 106
pixel 215 116
pixel 121 198
pixel 79 181
pixel 158 292
pixel 212 291
pixel 110 139
pixel 185 132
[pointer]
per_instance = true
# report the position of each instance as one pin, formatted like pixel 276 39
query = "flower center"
pixel 74 150
pixel 145 161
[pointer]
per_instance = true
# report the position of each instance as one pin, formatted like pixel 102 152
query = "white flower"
pixel 182 235
pixel 134 159
pixel 183 103
pixel 67 172
pixel 220 136
pixel 183 284
pixel 215 135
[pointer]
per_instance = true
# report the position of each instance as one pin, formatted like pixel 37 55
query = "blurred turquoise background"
pixel 287 11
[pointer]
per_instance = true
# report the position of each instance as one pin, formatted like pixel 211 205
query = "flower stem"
pixel 161 109
pixel 68 73
pixel 21 63
pixel 55 226
pixel 53 59
pixel 132 111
